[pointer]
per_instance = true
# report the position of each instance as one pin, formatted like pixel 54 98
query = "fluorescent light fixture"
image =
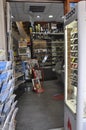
pixel 38 16
pixel 50 16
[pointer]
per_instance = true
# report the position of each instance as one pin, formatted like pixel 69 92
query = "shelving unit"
pixel 75 63
pixel 7 98
pixel 52 46
pixel 24 49
pixel 19 79
pixel 18 67
pixel 21 54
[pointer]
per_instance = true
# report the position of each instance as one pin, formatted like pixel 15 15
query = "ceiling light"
pixel 12 16
pixel 50 16
pixel 38 16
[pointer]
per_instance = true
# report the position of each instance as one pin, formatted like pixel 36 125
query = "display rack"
pixel 75 64
pixel 28 66
pixel 19 79
pixel 18 72
pixel 7 98
pixel 18 64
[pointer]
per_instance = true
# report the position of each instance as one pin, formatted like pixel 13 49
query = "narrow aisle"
pixel 41 111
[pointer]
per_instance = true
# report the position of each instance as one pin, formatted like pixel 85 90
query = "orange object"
pixel 37 87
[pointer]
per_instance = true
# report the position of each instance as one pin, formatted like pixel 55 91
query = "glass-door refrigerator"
pixel 75 68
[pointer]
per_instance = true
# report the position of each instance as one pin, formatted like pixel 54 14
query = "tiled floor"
pixel 41 111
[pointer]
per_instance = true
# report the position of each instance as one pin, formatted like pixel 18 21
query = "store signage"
pixel 70 14
pixel 69 124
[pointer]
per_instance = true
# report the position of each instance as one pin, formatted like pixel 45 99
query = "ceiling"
pixel 21 11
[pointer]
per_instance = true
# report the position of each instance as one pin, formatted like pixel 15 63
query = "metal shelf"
pixel 61 33
pixel 18 83
pixel 18 75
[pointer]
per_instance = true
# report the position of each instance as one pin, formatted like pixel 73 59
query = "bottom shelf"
pixel 19 83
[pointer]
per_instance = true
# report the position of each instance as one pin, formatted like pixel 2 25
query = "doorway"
pixel 40 111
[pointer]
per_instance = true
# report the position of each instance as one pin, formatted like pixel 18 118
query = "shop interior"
pixel 38 36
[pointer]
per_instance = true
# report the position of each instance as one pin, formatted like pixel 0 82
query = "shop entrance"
pixel 41 38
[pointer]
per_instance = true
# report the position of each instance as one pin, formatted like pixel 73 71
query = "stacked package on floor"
pixel 8 108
